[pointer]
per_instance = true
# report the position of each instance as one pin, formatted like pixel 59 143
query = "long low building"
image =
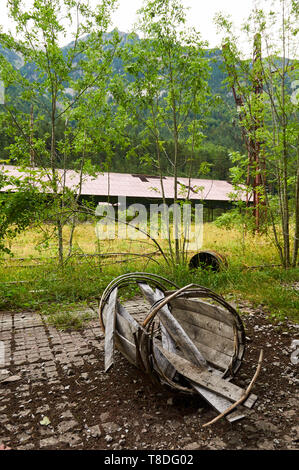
pixel 135 187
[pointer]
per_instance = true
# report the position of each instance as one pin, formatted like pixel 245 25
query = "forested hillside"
pixel 222 133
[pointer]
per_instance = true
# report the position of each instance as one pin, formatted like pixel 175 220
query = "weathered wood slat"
pixel 169 344
pixel 219 403
pixel 203 312
pixel 199 306
pixel 215 358
pixel 209 324
pixel 110 314
pixel 162 363
pixel 200 336
pixel 203 377
pixel 174 329
pixel 124 322
pixel 250 400
pixel 167 341
pixel 144 349
pixel 124 313
pixel 139 313
pixel 127 348
pixel 123 327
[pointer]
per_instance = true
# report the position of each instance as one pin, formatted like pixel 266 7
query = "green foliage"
pixel 163 92
pixel 56 107
pixel 231 219
pixel 268 114
pixel 118 141
pixel 18 208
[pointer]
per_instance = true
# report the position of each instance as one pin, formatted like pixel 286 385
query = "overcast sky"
pixel 200 15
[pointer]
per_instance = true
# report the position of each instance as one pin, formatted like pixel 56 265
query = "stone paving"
pixel 29 340
pixel 35 353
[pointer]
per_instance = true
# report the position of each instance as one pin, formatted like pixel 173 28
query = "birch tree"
pixel 62 80
pixel 164 91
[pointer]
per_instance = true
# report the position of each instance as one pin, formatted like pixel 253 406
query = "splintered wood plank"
pixel 201 336
pixel 219 403
pixel 127 348
pixel 123 327
pixel 174 329
pixel 209 324
pixel 169 344
pixel 204 378
pixel 126 325
pixel 125 314
pixel 110 313
pixel 199 306
pixel 217 351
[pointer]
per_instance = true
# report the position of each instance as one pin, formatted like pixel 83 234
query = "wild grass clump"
pixel 69 316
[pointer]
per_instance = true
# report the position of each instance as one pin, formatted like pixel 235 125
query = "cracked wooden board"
pixel 206 379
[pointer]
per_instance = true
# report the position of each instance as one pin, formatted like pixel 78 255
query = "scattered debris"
pixel 12 378
pixel 95 431
pixel 295 354
pixel 45 421
pixel 4 374
pixel 185 342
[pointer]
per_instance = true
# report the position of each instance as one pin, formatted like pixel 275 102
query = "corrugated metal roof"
pixel 135 186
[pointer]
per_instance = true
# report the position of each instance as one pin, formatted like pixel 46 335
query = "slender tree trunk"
pixel 32 159
pixel 285 201
pixel 176 231
pixel 296 235
pixel 55 188
pixel 76 198
pixel 158 152
pixel 175 163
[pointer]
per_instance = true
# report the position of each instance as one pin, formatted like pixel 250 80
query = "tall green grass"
pixel 50 285
pixel 54 290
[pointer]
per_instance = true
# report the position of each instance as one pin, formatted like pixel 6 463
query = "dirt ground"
pixel 54 393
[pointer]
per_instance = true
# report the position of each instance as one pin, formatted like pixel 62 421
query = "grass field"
pixel 54 290
pixel 248 250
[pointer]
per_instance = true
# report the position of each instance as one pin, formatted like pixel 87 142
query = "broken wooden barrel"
pixel 189 338
pixel 208 260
